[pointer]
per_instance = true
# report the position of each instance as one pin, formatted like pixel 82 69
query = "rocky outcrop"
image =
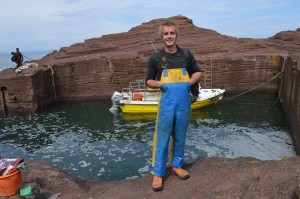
pixel 97 67
pixel 288 42
pixel 210 178
pixel 27 91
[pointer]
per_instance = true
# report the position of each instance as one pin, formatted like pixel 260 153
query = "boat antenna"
pixel 152 44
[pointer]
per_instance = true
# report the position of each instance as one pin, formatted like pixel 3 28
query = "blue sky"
pixel 52 24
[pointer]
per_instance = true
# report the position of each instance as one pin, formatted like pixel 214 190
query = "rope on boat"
pixel 278 74
pixel 53 83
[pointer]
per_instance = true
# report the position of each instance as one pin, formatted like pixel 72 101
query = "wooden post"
pixel 3 88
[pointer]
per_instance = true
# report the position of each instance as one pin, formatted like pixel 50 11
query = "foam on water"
pixel 86 140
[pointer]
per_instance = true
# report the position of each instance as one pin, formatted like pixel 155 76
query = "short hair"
pixel 167 23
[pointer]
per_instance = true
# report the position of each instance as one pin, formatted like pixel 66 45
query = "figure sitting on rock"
pixel 17 57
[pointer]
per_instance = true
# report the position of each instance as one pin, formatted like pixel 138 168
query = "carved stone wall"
pixel 27 92
pixel 290 98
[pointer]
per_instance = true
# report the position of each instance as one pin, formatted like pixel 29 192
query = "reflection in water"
pixel 85 139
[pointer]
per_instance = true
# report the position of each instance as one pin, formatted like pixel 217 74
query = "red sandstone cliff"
pixel 112 61
pixel 97 67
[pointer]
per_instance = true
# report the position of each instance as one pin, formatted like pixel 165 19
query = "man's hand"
pixel 194 98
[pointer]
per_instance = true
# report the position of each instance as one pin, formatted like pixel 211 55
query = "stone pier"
pixel 289 92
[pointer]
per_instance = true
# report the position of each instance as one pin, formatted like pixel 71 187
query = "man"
pixel 17 57
pixel 175 72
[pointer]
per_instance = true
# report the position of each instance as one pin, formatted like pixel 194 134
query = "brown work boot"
pixel 182 174
pixel 157 184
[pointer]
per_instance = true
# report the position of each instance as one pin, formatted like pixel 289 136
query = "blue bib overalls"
pixel 173 115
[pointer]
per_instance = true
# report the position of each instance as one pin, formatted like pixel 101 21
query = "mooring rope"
pixel 27 57
pixel 230 98
pixel 280 87
pixel 53 83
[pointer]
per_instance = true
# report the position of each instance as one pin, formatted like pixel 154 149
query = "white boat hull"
pixel 149 102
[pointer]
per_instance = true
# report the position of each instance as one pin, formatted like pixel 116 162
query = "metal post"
pixel 3 88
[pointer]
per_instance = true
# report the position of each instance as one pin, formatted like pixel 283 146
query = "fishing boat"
pixel 138 98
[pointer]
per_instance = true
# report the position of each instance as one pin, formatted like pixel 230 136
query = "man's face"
pixel 169 36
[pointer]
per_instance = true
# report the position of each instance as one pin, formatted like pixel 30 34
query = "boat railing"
pixel 140 92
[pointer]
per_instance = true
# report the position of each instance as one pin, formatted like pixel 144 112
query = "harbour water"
pixel 85 139
pixel 5 57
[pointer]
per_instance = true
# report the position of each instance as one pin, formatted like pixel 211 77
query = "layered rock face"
pixel 97 67
pixel 289 93
pixel 27 92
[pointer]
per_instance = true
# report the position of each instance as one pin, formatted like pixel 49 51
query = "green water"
pixel 85 139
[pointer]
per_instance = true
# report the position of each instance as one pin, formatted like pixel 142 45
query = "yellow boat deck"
pixel 147 106
pixel 138 98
